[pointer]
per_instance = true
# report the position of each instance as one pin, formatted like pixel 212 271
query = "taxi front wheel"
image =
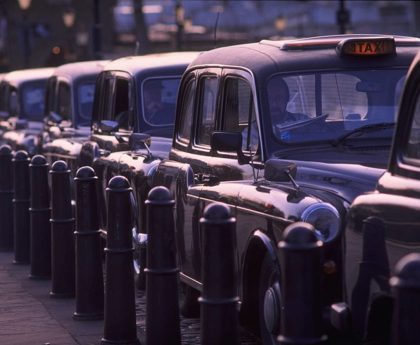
pixel 269 302
pixel 139 258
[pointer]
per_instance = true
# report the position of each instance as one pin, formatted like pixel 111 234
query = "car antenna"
pixel 215 29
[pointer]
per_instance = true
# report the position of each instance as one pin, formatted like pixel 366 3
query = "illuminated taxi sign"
pixel 367 46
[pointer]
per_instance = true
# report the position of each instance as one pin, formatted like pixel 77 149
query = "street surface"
pixel 29 316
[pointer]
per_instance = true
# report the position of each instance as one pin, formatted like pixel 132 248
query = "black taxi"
pixel 23 104
pixel 281 131
pixel 384 225
pixel 132 125
pixel 68 110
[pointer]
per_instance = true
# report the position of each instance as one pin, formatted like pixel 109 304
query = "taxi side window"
pixel 103 106
pixel 13 102
pixel 64 101
pixel 239 112
pixel 121 105
pixel 413 144
pixel 207 112
pixel 50 95
pixel 186 116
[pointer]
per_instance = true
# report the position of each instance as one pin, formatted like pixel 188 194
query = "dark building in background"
pixel 91 29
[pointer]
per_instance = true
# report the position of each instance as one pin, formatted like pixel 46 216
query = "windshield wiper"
pixel 374 127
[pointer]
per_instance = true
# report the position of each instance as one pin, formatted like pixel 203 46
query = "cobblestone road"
pixel 190 328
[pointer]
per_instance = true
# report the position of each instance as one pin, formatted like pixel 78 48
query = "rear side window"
pixel 64 101
pixel 113 102
pixel 50 95
pixel 413 145
pixel 121 105
pixel 207 111
pixel 186 115
pixel 239 112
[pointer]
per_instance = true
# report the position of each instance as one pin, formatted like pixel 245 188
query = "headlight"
pixel 325 219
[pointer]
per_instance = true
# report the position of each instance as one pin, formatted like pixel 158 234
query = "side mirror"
pixel 55 117
pixel 138 141
pixel 21 124
pixel 108 126
pixel 229 142
pixel 4 115
pixel 277 170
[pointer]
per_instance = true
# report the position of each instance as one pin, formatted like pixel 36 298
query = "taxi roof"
pixel 136 64
pixel 15 78
pixel 77 70
pixel 266 57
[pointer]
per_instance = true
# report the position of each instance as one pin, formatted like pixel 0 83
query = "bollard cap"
pixel 38 160
pixel 118 184
pixel 160 195
pixel 407 272
pixel 21 155
pixel 59 166
pixel 300 235
pixel 217 212
pixel 85 173
pixel 5 150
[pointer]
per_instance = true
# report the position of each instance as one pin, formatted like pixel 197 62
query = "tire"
pixel 139 261
pixel 188 301
pixel 269 302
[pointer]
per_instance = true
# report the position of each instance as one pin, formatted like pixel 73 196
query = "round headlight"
pixel 325 219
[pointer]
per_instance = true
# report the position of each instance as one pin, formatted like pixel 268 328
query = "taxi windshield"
pixel 32 97
pixel 327 106
pixel 159 100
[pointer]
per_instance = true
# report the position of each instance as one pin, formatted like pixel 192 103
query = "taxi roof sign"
pixel 368 46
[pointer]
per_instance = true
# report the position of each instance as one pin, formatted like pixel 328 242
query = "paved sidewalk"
pixel 29 316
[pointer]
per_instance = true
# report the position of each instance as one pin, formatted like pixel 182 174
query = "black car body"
pixel 372 253
pixel 23 94
pixel 127 138
pixel 228 147
pixel 69 103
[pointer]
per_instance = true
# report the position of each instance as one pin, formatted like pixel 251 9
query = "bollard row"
pixel 120 312
pixel 219 302
pixel 162 308
pixel 62 233
pixel 89 277
pixel 6 198
pixel 40 233
pixel 300 254
pixel 21 207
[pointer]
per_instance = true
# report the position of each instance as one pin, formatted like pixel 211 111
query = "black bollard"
pixel 89 277
pixel 162 308
pixel 405 286
pixel 6 198
pixel 40 212
pixel 62 233
pixel 301 316
pixel 219 299
pixel 21 207
pixel 120 311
